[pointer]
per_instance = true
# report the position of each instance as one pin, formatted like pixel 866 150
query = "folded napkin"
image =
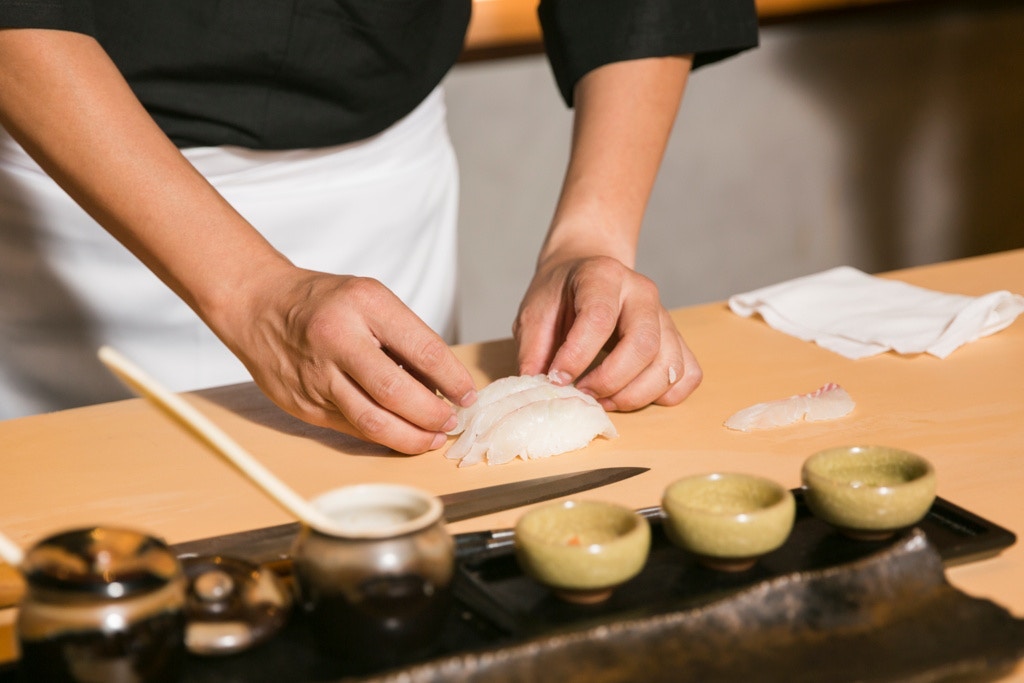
pixel 859 315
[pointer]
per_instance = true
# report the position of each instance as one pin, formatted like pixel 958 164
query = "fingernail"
pixel 451 424
pixel 439 440
pixel 559 377
pixel 608 405
pixel 468 399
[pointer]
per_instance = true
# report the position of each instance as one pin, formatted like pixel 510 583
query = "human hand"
pixel 344 352
pixel 575 308
pixel 335 351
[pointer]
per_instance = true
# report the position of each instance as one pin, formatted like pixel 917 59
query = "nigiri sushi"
pixel 495 391
pixel 826 403
pixel 527 416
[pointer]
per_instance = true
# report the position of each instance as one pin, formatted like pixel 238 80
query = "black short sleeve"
pixel 285 74
pixel 267 74
pixel 581 35
pixel 66 15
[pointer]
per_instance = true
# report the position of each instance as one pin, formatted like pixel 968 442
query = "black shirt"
pixel 285 74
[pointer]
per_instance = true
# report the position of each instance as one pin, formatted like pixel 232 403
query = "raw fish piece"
pixel 495 391
pixel 827 403
pixel 484 418
pixel 545 428
pixel 527 416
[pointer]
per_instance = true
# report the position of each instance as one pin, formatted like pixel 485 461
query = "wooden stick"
pixel 188 416
pixel 10 552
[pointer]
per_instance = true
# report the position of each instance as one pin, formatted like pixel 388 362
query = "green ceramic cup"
pixel 728 520
pixel 582 550
pixel 868 491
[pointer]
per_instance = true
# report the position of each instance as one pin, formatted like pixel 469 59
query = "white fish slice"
pixel 826 403
pixel 529 416
pixel 495 391
pixel 484 418
pixel 475 455
pixel 548 427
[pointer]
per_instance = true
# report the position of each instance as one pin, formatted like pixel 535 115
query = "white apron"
pixel 383 208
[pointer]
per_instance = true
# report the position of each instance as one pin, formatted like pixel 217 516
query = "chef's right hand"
pixel 335 351
pixel 344 352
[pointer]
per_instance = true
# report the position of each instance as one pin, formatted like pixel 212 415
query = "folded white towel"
pixel 859 315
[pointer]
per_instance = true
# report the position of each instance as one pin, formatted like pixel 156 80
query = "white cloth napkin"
pixel 859 315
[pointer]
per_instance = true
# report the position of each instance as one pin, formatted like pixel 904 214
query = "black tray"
pixel 497 606
pixel 496 590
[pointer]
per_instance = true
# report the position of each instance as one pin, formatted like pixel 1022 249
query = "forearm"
pixel 64 100
pixel 322 346
pixel 586 296
pixel 624 116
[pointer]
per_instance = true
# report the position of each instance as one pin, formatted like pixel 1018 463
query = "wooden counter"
pixel 126 463
pixel 506 27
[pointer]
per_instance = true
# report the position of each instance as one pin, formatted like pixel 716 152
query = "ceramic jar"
pixel 376 589
pixel 102 605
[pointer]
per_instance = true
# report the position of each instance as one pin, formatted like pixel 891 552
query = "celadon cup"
pixel 868 492
pixel 728 520
pixel 582 550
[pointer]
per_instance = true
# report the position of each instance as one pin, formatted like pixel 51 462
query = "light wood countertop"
pixel 127 463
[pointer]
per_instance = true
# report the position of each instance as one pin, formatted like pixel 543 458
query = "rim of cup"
pixel 767 484
pixel 626 521
pixel 375 511
pixel 922 466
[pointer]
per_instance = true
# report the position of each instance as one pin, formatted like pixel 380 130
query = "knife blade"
pixel 479 502
pixel 273 543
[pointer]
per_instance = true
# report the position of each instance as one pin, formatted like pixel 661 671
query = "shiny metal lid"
pixel 100 562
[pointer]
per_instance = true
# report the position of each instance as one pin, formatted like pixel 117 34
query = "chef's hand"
pixel 336 351
pixel 585 295
pixel 341 351
pixel 575 308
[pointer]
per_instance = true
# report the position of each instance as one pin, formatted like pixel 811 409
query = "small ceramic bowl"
pixel 582 550
pixel 868 492
pixel 728 520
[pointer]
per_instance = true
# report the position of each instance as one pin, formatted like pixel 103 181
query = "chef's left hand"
pixel 585 296
pixel 575 308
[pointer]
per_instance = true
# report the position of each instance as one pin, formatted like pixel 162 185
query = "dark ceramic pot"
pixel 377 589
pixel 102 605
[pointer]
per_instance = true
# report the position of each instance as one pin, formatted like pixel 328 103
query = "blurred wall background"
pixel 878 138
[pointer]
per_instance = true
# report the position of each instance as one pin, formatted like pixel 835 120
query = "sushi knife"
pixel 271 544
